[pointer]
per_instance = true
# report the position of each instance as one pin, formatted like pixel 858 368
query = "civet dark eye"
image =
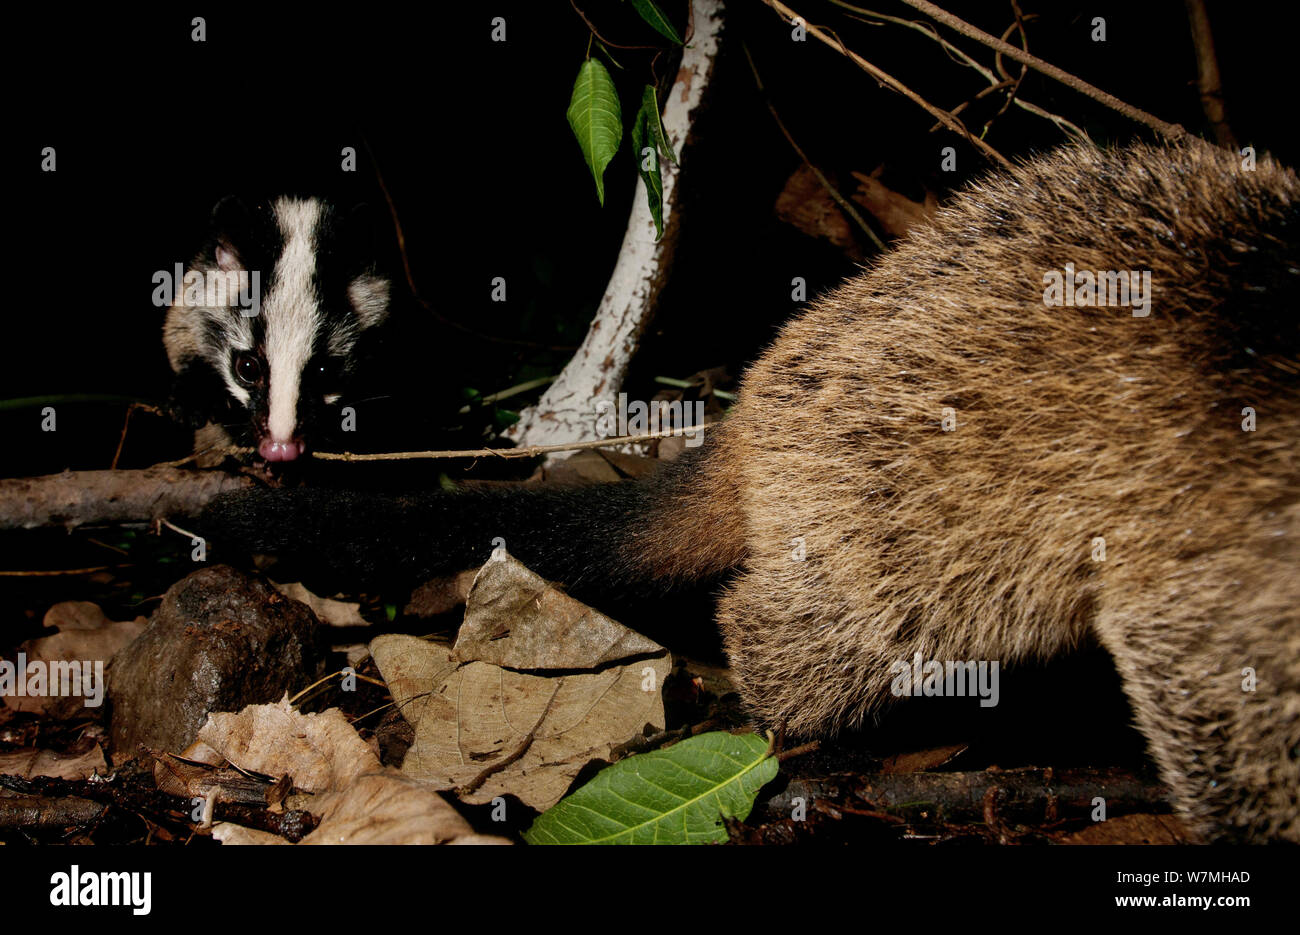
pixel 247 367
pixel 320 367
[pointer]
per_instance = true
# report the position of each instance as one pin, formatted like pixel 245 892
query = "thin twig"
pixel 1170 130
pixel 594 32
pixel 361 717
pixel 126 421
pixel 333 675
pixel 829 38
pixel 927 30
pixel 799 750
pixel 845 205
pixel 979 96
pixel 177 529
pixel 528 452
pixel 997 63
pixel 121 439
pixel 724 395
pixel 508 392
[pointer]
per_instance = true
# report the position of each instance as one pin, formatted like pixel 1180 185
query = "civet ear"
pixel 232 221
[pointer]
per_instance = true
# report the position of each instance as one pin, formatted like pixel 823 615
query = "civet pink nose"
pixel 273 450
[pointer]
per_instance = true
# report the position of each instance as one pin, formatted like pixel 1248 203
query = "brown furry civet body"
pixel 1072 424
pixel 974 475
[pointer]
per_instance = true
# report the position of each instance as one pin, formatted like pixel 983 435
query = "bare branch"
pixel 960 56
pixel 829 38
pixel 1171 130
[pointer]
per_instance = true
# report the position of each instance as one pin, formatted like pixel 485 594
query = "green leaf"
pixel 651 13
pixel 600 46
pixel 596 119
pixel 650 107
pixel 504 418
pixel 643 153
pixel 674 796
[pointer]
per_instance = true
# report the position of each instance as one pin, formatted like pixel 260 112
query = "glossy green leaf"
pixel 675 796
pixel 646 152
pixel 650 108
pixel 596 119
pixel 650 12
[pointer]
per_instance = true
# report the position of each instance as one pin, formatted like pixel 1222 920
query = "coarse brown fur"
pixel 1072 424
pixel 932 460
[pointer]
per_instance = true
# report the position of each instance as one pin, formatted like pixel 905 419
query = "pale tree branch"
pixel 567 410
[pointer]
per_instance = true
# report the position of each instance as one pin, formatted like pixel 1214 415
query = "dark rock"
pixel 220 640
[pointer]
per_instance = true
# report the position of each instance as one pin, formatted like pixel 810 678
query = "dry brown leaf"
pixel 31 762
pixel 319 752
pixel 188 779
pixel 200 753
pixel 805 204
pixel 389 808
pixel 484 727
pixel 629 465
pixel 85 635
pixel 411 672
pixel 358 800
pixel 585 467
pixel 327 609
pixel 918 761
pixel 227 833
pixel 896 213
pixel 77 615
pixel 1134 829
pixel 440 595
pixel 516 619
pixel 488 731
pixel 175 775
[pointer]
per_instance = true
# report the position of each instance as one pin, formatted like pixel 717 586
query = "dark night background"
pixel 471 137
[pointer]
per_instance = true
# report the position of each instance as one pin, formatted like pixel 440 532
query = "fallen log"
pixel 37 813
pixel 1034 795
pixel 76 498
